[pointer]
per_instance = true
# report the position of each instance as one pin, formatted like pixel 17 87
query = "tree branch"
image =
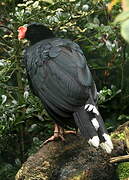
pixel 120 159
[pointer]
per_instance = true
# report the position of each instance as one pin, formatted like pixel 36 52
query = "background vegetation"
pixel 24 124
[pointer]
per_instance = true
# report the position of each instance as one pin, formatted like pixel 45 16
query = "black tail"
pixel 91 126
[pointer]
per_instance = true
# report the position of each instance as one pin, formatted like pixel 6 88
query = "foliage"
pixel 120 136
pixel 23 121
pixel 123 170
pixel 7 171
pixel 123 17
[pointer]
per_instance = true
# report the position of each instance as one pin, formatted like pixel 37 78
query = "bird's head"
pixel 34 32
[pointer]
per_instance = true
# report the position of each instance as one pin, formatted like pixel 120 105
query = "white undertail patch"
pixel 91 107
pixel 107 145
pixel 95 123
pixel 94 141
pixel 108 140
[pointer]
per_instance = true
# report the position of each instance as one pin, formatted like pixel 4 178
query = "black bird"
pixel 58 74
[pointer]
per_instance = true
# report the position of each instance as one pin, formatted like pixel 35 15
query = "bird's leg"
pixel 59 133
pixel 62 131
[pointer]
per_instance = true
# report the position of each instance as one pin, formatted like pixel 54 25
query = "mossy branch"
pixel 120 159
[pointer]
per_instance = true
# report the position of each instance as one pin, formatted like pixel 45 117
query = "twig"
pixel 120 159
pixel 5 42
pixel 2 26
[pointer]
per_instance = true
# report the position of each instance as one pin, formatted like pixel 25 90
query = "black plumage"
pixel 59 75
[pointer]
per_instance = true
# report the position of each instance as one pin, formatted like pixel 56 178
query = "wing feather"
pixel 59 74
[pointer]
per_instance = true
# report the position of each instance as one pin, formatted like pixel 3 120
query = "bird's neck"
pixel 39 37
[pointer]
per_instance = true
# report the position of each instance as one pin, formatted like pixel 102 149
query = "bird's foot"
pixel 55 136
pixel 59 133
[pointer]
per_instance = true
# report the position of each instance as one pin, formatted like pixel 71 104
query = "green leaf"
pixel 123 116
pixel 49 1
pixel 122 17
pixel 125 30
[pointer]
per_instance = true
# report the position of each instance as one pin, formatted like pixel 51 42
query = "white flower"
pixel 85 7
pixel 4 98
pixel 14 101
pixel 26 94
pixel 35 4
pixel 109 45
pixel 3 62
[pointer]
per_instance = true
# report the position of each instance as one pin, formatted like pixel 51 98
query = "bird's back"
pixel 59 66
pixel 59 75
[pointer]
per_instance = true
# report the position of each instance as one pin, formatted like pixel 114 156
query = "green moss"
pixel 120 136
pixel 81 176
pixel 123 170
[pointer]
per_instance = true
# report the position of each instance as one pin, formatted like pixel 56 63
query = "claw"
pixel 58 133
pixel 53 138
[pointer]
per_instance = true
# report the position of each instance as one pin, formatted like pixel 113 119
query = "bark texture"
pixel 70 160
